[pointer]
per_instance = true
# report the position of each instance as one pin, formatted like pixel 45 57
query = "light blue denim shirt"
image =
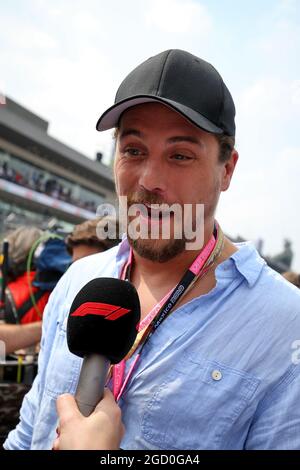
pixel 219 373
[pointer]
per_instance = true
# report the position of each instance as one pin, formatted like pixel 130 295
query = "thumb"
pixel 107 401
pixel 67 408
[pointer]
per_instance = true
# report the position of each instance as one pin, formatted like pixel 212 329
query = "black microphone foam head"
pixel 103 319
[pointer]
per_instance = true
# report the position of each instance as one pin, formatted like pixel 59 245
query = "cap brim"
pixel 110 118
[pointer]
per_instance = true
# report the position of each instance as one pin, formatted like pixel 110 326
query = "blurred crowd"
pixel 38 181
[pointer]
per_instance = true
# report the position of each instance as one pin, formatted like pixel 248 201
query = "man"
pixel 84 241
pixel 292 277
pixel 219 371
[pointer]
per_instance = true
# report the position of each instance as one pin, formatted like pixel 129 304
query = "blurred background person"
pixel 30 279
pixel 27 291
pixel 18 336
pixel 84 241
pixel 292 277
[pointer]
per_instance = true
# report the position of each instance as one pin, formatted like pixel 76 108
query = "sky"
pixel 64 60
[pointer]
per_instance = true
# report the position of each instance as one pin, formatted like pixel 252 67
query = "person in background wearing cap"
pixel 292 277
pixel 84 240
pixel 219 371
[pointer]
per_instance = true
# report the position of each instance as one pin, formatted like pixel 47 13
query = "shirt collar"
pixel 246 261
pixel 123 247
pixel 122 254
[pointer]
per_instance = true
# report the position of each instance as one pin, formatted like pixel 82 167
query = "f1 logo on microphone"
pixel 108 311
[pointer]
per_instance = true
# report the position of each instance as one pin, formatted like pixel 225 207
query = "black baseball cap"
pixel 182 81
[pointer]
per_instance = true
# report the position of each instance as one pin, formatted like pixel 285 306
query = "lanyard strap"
pixel 162 309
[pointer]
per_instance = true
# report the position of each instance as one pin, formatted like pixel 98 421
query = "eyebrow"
pixel 184 138
pixel 171 140
pixel 133 132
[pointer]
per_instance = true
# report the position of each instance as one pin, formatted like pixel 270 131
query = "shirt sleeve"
pixel 276 424
pixel 20 438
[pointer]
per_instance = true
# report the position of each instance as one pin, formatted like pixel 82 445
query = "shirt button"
pixel 216 374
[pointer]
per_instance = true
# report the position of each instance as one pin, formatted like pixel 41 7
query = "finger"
pixel 56 444
pixel 67 408
pixel 109 408
pixel 107 400
pixel 122 430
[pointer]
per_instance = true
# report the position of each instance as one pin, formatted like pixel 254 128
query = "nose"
pixel 153 176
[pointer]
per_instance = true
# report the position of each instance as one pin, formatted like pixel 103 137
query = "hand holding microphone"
pixel 102 327
pixel 102 430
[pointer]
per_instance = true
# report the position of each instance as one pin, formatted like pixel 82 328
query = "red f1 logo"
pixel 110 312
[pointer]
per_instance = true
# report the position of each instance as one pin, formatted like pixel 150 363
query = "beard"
pixel 154 249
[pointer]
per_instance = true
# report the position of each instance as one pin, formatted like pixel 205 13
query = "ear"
pixel 228 169
pixel 114 171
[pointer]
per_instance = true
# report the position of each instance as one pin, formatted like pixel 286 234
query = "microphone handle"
pixel 91 382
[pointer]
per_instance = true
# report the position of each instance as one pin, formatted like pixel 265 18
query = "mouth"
pixel 156 212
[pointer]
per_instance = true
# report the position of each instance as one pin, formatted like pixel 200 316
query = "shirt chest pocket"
pixel 63 368
pixel 197 404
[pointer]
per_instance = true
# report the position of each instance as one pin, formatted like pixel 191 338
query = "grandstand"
pixel 42 179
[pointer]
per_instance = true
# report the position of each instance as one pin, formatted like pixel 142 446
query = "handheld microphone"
pixel 102 327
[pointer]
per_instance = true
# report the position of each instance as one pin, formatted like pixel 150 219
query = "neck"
pixel 170 271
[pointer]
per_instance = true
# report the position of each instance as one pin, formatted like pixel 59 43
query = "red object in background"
pixel 22 303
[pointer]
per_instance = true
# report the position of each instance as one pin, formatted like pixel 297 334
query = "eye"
pixel 132 152
pixel 181 157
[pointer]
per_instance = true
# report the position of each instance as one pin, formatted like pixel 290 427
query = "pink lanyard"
pixel 196 267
